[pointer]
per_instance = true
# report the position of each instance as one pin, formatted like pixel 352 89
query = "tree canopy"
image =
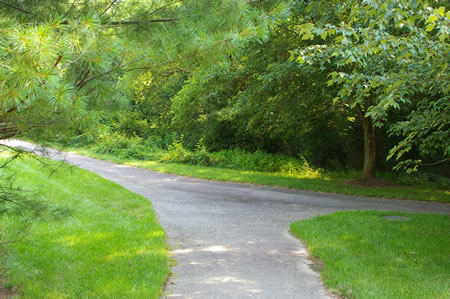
pixel 384 55
pixel 335 82
pixel 58 58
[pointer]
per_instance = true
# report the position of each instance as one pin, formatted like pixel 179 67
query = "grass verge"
pixel 326 182
pixel 109 246
pixel 369 256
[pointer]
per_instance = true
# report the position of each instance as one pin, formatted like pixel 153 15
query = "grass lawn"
pixel 368 256
pixel 327 182
pixel 109 246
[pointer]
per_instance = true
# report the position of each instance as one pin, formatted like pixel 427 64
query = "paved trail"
pixel 232 240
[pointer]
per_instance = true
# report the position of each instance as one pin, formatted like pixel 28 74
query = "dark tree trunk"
pixel 369 167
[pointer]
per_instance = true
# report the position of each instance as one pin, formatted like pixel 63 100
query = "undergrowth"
pixel 170 149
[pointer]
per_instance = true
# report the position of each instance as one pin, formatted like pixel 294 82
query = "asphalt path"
pixel 232 240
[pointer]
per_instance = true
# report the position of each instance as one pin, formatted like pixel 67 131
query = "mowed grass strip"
pixel 366 255
pixel 110 246
pixel 319 183
pixel 327 182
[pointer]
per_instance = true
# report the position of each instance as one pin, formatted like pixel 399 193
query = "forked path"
pixel 232 240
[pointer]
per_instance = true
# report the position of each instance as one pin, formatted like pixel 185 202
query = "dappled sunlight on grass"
pixel 78 239
pixel 309 179
pixel 314 181
pixel 58 295
pixel 157 233
pixel 141 163
pixel 368 255
pixel 134 253
pixel 70 240
pixel 5 154
pixel 110 246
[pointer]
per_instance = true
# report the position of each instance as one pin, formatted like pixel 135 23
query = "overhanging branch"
pixel 15 7
pixel 135 22
pixel 109 6
pixel 85 81
pixel 435 163
pixel 164 6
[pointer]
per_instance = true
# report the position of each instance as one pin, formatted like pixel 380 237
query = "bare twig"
pixel 24 232
pixel 58 61
pixel 434 163
pixel 17 153
pixel 83 82
pixel 135 22
pixel 109 6
pixel 15 7
pixel 164 6
pixel 68 11
pixel 188 55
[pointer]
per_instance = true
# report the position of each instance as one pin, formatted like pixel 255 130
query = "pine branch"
pixel 85 81
pixel 164 6
pixel 135 22
pixel 24 232
pixel 191 54
pixel 109 6
pixel 17 153
pixel 68 11
pixel 15 7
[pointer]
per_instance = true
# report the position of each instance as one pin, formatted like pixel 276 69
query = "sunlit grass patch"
pixel 323 183
pixel 367 255
pixel 314 181
pixel 110 244
pixel 309 179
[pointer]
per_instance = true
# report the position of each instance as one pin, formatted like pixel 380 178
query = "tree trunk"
pixel 369 167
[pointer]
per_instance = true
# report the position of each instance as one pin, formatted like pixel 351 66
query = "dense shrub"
pixel 170 149
pixel 131 123
pixel 258 161
pixel 124 147
pixel 237 159
pixel 432 179
pixel 153 148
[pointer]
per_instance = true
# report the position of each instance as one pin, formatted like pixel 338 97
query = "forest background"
pixel 256 85
pixel 319 95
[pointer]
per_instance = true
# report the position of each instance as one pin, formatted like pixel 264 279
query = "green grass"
pixel 110 246
pixel 312 181
pixel 368 256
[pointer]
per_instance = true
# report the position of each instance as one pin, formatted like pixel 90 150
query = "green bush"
pixel 177 153
pixel 259 161
pixel 420 178
pixel 131 123
pixel 236 159
pixel 124 147
pixel 108 140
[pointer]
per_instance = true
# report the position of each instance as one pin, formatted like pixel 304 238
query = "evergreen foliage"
pixel 61 59
pixel 65 66
pixel 330 81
